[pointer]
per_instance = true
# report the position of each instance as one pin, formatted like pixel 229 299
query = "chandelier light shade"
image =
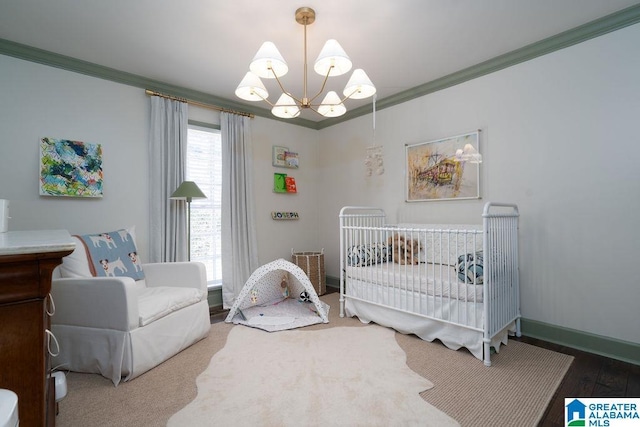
pixel 332 61
pixel 268 62
pixel 359 86
pixel 251 88
pixel 331 106
pixel 285 108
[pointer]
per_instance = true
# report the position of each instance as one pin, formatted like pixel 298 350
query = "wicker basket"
pixel 312 263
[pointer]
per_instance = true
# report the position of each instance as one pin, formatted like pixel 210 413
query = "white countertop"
pixel 35 241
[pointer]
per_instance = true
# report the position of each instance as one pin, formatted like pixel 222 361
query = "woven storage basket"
pixel 312 263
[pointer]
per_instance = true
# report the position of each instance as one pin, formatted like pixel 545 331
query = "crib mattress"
pixel 430 279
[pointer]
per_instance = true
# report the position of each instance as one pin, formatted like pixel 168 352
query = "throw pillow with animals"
pixel 113 254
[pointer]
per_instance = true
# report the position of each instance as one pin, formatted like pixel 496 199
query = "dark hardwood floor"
pixel 590 375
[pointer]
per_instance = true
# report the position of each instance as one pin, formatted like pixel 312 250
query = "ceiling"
pixel 206 45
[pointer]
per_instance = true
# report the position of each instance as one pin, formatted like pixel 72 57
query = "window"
pixel 204 164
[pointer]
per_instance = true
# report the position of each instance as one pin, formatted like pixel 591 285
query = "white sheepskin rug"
pixel 338 376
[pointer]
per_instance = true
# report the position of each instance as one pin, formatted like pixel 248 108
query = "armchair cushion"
pixel 157 302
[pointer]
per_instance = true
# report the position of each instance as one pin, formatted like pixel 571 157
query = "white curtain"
pixel 167 164
pixel 239 243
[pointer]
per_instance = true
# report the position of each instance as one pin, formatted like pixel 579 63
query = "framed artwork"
pixel 278 156
pixel 283 158
pixel 70 168
pixel 436 171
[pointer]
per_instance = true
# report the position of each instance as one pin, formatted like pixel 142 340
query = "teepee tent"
pixel 278 296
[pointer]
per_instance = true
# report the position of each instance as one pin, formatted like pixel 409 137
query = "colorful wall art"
pixel 70 168
pixel 435 172
pixel 284 184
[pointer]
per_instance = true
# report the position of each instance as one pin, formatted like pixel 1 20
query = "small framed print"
pixel 279 156
pixel 291 160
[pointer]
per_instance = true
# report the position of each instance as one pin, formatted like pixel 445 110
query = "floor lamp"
pixel 188 191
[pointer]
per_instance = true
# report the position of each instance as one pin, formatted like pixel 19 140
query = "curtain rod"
pixel 197 103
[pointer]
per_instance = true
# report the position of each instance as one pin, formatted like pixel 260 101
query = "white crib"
pixel 463 288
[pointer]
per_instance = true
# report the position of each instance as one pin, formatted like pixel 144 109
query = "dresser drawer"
pixel 20 281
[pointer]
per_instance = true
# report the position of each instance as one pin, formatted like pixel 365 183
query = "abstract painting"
pixel 435 172
pixel 70 168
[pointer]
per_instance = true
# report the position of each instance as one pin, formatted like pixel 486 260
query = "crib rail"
pixel 355 216
pixel 500 224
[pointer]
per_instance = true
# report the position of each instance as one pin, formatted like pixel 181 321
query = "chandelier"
pixel 332 61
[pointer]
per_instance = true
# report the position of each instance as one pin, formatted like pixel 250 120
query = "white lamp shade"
pixel 359 85
pixel 332 54
pixel 331 106
pixel 267 59
pixel 286 107
pixel 251 88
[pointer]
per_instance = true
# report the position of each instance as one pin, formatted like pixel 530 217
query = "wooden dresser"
pixel 27 259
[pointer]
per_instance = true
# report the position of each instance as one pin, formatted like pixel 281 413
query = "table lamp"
pixel 188 191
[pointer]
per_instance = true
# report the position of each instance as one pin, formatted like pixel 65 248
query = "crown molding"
pixel 604 25
pixel 598 27
pixel 68 63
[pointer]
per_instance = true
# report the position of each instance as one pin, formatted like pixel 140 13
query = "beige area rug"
pixel 515 390
pixel 337 376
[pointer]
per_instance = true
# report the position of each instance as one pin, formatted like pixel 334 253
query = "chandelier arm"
pixel 264 99
pixel 324 83
pixel 284 90
pixel 313 108
pixel 348 96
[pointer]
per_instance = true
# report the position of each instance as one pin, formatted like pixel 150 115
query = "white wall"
pixel 559 138
pixel 276 238
pixel 41 101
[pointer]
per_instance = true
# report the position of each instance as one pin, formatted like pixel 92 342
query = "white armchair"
pixel 120 327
